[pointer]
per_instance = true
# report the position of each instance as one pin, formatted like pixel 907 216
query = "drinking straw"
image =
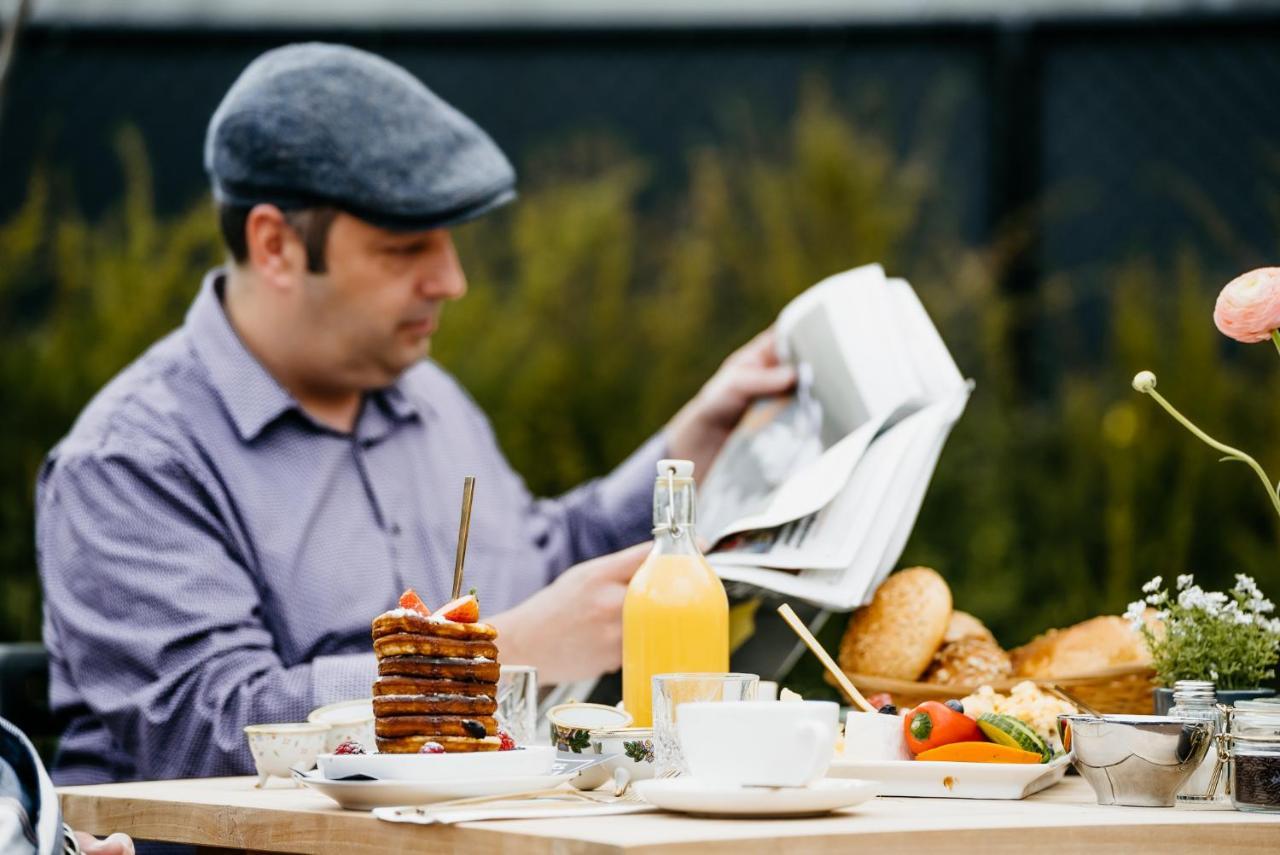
pixel 850 690
pixel 464 529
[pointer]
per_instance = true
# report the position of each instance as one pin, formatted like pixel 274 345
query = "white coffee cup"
pixel 758 743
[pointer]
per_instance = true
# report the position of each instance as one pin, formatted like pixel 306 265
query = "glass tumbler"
pixel 517 696
pixel 672 690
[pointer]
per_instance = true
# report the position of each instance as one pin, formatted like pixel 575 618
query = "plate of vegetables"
pixel 954 755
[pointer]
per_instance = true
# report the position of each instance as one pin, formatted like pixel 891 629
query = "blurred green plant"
pixel 591 317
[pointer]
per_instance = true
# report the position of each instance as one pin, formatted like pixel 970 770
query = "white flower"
pixel 1144 381
pixel 1261 605
pixel 1246 586
pixel 1184 580
pixel 1134 613
pixel 1153 585
pixel 1209 602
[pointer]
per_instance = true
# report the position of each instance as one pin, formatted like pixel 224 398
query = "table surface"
pixel 229 812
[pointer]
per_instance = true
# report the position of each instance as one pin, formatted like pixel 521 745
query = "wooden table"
pixel 229 812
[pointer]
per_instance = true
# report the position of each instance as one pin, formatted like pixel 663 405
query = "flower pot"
pixel 1230 697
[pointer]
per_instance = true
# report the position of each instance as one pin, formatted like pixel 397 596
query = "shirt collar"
pixel 252 396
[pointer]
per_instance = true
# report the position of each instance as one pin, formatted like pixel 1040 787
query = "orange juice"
pixel 676 616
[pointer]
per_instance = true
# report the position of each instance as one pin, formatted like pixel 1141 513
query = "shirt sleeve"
pixel 603 515
pixel 159 620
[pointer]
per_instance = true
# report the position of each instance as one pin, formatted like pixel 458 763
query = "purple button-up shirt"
pixel 212 557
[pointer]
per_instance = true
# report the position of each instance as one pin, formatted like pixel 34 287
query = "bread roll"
pixel 1094 645
pixel 965 625
pixel 968 662
pixel 897 634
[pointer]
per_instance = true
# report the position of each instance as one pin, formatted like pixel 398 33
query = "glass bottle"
pixel 675 617
pixel 1196 700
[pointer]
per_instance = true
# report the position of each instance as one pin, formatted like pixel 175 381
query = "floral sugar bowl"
pixel 630 757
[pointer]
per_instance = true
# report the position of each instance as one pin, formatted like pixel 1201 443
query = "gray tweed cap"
pixel 315 123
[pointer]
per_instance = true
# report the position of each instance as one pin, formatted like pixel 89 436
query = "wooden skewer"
pixel 464 529
pixel 850 690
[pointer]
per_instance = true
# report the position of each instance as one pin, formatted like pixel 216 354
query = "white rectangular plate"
pixel 926 779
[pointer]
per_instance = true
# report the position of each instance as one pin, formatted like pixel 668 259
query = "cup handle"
pixel 819 748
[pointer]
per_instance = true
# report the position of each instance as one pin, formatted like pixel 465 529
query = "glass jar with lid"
pixel 1250 751
pixel 1197 700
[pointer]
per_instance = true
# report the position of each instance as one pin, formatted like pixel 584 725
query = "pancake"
pixel 435 725
pixel 440 668
pixel 464 705
pixel 412 644
pixel 451 744
pixel 396 685
pixel 404 620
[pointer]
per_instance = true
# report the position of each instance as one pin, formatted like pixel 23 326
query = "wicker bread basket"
pixel 1116 690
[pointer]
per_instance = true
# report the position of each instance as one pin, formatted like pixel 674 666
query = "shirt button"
pixel 395 529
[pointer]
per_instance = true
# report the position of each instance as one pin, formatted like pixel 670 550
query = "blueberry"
pixel 955 705
pixel 889 709
pixel 473 728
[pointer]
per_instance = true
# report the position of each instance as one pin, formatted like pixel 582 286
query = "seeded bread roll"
pixel 897 634
pixel 965 625
pixel 968 662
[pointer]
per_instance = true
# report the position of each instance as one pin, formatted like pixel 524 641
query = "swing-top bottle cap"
pixel 683 468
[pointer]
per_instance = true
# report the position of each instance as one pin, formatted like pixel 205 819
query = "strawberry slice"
pixel 462 610
pixel 410 600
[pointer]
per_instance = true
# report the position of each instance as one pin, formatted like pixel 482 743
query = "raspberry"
pixel 349 747
pixel 508 744
pixel 431 748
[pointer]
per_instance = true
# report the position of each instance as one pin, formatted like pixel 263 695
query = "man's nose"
pixel 443 278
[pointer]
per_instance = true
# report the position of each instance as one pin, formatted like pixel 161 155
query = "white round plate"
pixel 522 763
pixel 689 795
pixel 367 795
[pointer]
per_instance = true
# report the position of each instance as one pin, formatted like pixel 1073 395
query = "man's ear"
pixel 276 253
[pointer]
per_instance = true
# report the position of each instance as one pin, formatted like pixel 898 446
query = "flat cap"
pixel 323 124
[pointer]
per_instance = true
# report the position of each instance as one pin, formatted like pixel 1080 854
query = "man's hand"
pixel 572 629
pixel 116 844
pixel 699 430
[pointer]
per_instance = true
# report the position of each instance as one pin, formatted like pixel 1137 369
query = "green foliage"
pixel 595 311
pixel 1229 639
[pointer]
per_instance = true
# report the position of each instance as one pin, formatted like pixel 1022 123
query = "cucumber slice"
pixel 1014 733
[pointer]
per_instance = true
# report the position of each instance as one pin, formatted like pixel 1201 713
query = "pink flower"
pixel 1248 308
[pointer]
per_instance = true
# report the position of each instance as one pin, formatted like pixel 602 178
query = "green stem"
pixel 1275 338
pixel 1224 448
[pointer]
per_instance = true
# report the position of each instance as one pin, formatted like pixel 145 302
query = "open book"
pixel 815 493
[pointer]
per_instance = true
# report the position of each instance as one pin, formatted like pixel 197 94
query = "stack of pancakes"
pixel 437 682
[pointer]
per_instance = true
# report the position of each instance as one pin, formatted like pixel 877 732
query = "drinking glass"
pixel 672 690
pixel 518 702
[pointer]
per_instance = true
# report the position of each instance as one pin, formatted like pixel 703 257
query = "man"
pixel 230 512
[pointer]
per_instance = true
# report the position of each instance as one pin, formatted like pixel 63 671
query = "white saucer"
pixel 366 795
pixel 689 795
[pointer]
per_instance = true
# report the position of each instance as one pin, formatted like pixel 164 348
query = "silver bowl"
pixel 1139 760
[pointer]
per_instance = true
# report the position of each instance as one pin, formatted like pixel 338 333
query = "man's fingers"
pixel 622 565
pixel 762 349
pixel 116 844
pixel 764 381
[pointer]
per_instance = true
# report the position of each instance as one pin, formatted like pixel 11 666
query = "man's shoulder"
pixel 143 410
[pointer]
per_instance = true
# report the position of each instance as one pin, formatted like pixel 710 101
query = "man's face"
pixel 380 300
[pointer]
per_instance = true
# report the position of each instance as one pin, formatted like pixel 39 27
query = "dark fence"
pixel 1125 135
